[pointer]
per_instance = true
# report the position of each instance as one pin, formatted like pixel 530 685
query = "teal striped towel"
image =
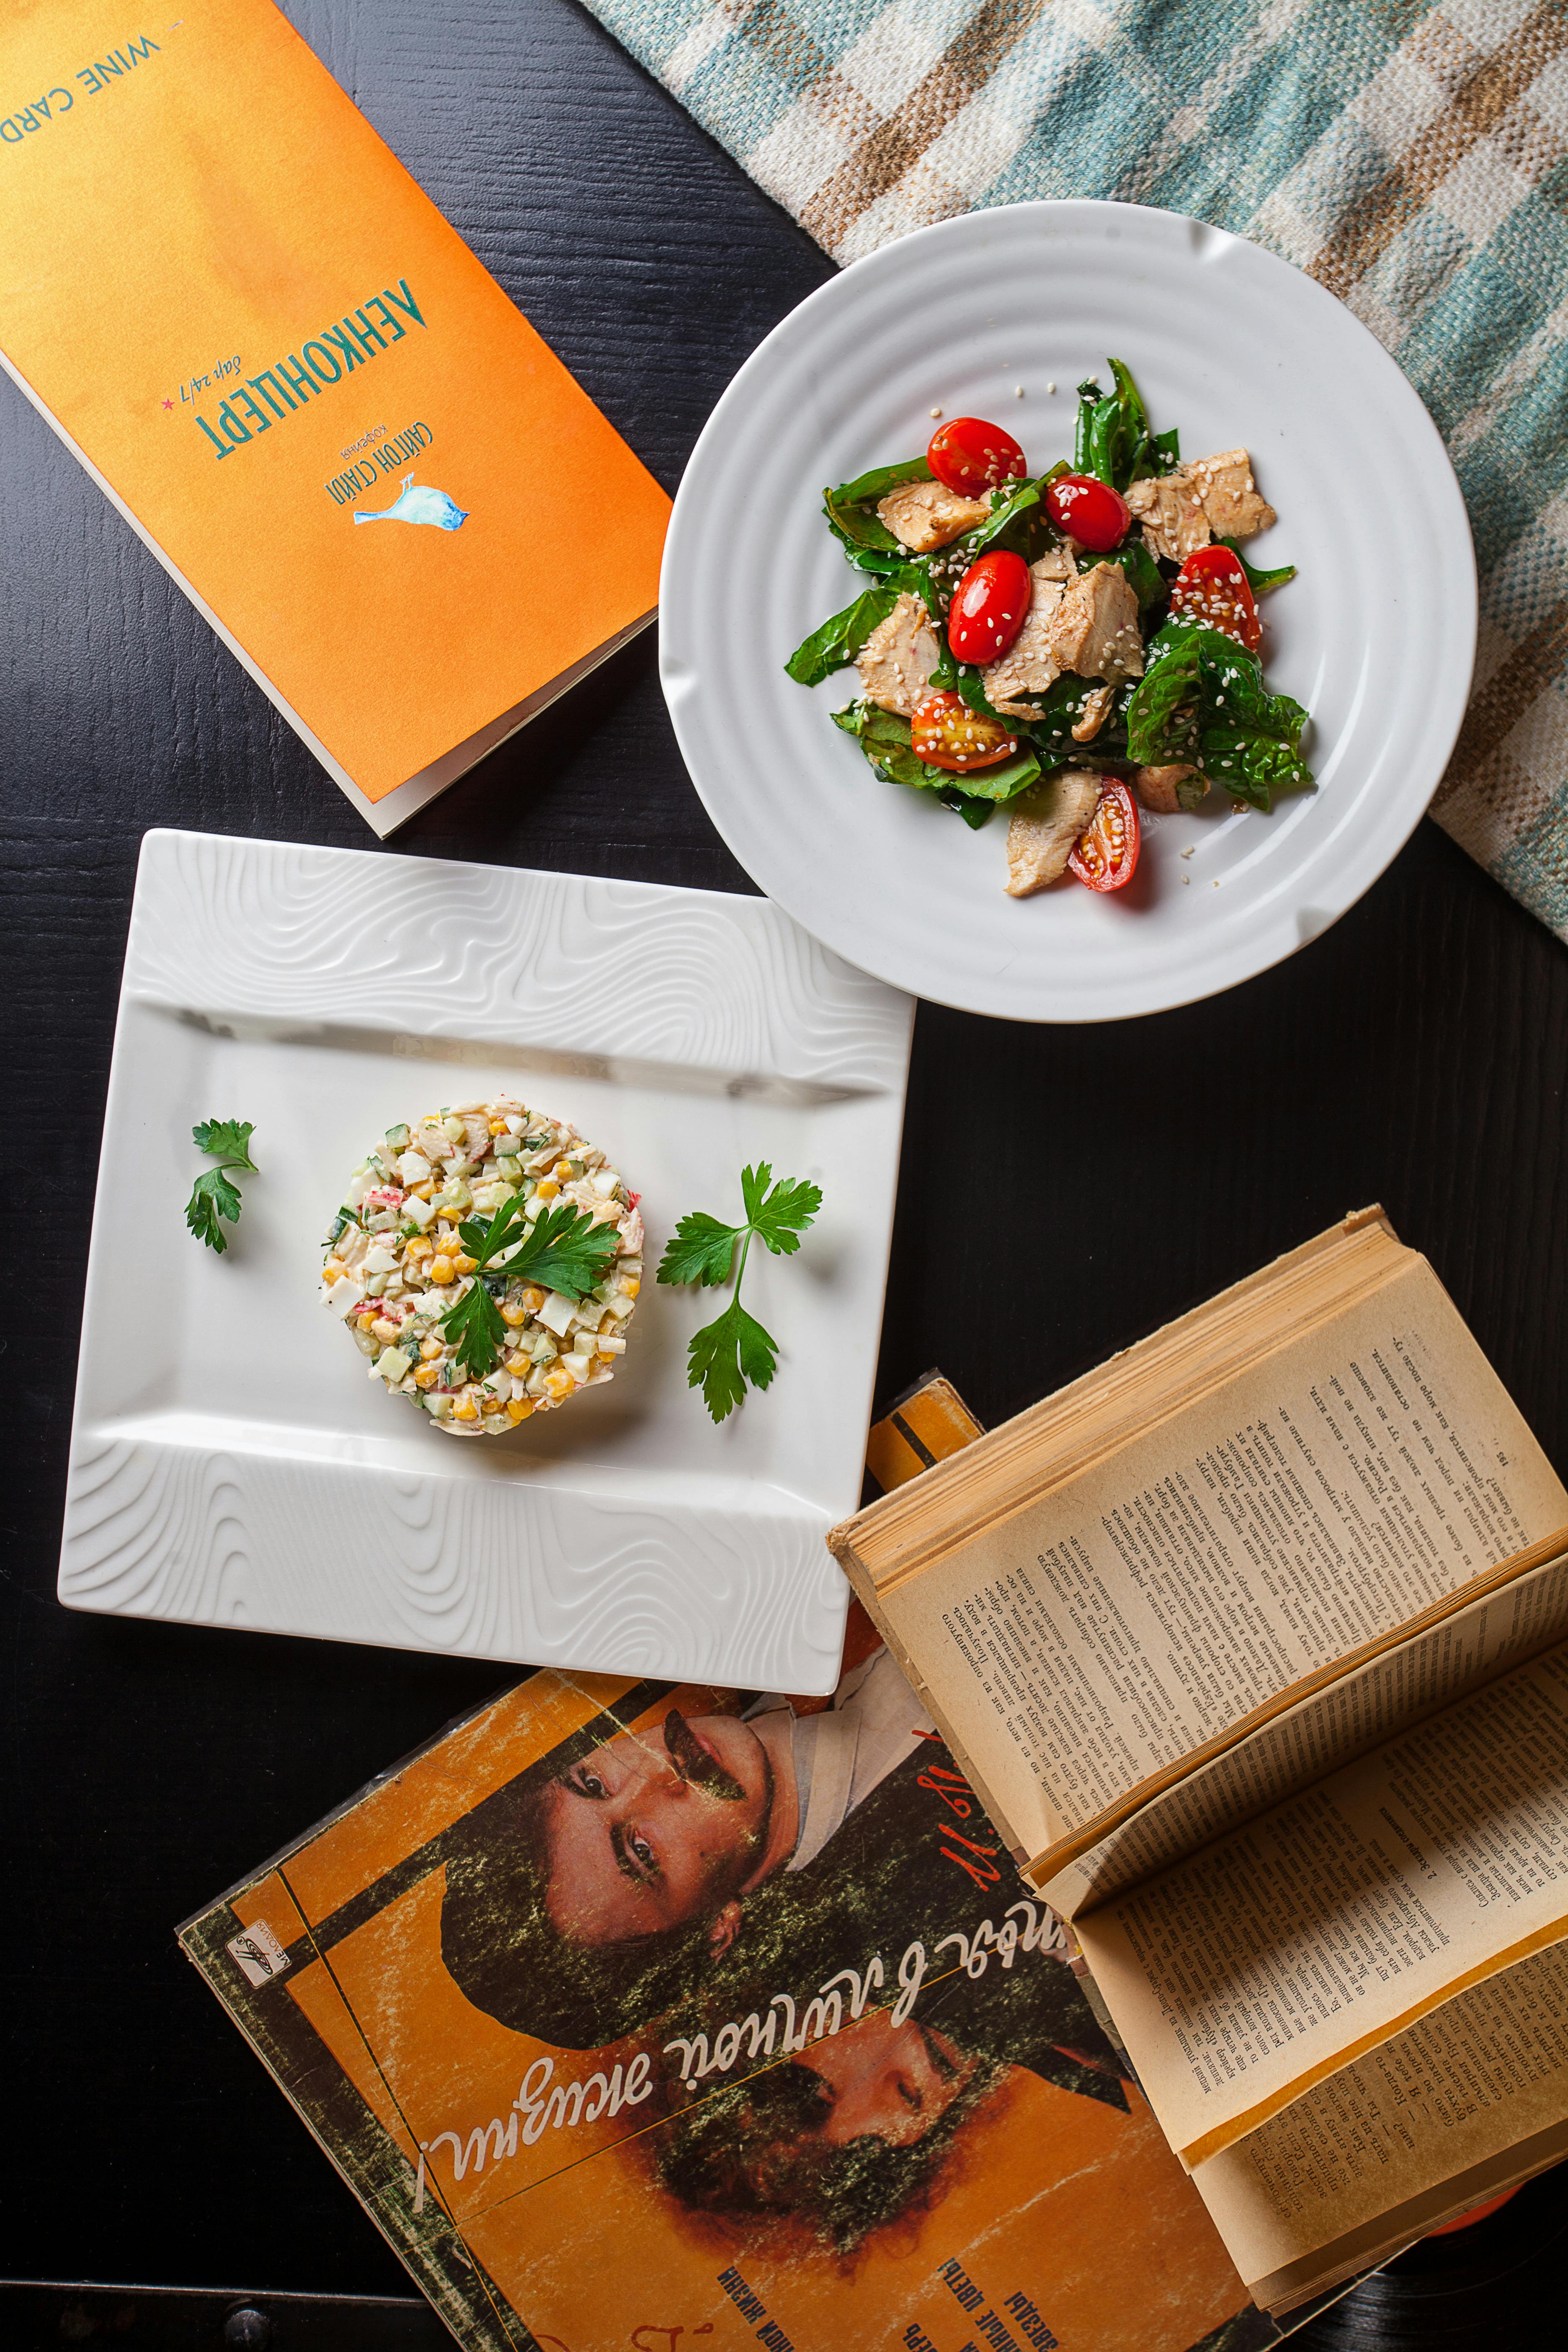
pixel 1410 157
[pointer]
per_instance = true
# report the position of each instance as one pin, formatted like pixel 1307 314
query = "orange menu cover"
pixel 234 304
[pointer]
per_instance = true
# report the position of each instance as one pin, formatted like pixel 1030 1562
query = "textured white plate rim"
pixel 161 1511
pixel 740 811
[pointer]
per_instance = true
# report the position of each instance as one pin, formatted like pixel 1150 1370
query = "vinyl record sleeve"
pixel 858 2102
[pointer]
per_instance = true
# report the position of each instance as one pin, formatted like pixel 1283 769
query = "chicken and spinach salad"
pixel 1067 646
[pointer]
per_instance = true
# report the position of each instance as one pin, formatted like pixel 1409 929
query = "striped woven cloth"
pixel 1410 157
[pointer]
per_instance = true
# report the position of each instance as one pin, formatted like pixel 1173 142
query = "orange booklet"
pixel 231 301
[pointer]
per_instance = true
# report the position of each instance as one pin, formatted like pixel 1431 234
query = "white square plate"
pixel 231 1463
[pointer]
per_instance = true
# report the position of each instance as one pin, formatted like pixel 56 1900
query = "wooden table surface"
pixel 1414 1054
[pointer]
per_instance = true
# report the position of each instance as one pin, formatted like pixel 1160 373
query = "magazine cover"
pixel 637 2015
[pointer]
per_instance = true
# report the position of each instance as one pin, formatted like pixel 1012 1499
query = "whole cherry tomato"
pixel 946 733
pixel 1091 512
pixel 972 456
pixel 989 608
pixel 1106 855
pixel 1212 587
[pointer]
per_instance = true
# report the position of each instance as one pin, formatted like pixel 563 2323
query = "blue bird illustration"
pixel 418 504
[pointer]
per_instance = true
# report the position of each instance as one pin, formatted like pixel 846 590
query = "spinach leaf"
pixel 880 481
pixel 1003 782
pixel 969 682
pixel 1113 441
pixel 1014 505
pixel 1165 451
pixel 850 509
pixel 858 526
pixel 975 813
pixel 1260 581
pixel 837 642
pixel 1202 700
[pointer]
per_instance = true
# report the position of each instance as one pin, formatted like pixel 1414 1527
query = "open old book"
pixel 1255 1642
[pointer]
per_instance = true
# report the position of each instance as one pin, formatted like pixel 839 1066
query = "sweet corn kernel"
pixel 548 1190
pixel 429 1349
pixel 519 1361
pixel 427 1376
pixel 464 1408
pixel 465 1265
pixel 562 1171
pixel 513 1314
pixel 632 1288
pixel 558 1384
pixel 385 1328
pixel 333 1270
pixel 498 1127
pixel 441 1269
pixel 533 1298
pixel 424 1192
pixel 519 1409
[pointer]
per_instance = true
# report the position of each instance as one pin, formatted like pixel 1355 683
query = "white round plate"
pixel 1376 636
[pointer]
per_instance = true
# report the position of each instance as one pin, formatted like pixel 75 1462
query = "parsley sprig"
pixel 563 1250
pixel 734 1348
pixel 214 1193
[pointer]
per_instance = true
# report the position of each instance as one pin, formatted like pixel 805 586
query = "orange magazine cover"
pixel 233 303
pixel 637 2016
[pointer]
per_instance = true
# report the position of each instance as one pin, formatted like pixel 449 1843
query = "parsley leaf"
pixel 778 1218
pixel 476 1330
pixel 733 1349
pixel 212 1197
pixel 727 1353
pixel 226 1140
pixel 564 1251
pixel 701 1250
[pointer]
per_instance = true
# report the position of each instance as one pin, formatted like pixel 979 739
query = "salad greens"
pixel 733 1349
pixel 1201 702
pixel 214 1195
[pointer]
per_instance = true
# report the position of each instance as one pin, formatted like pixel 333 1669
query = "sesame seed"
pixel 1050 387
pixel 936 412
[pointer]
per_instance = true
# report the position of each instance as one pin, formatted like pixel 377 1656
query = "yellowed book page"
pixel 1362 1711
pixel 1482 2075
pixel 1325 1497
pixel 1289 1948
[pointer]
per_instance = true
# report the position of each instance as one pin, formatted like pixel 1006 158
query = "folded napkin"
pixel 1412 157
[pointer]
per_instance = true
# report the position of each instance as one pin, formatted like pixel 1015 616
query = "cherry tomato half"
pixel 1091 512
pixel 1212 587
pixel 971 455
pixel 988 610
pixel 946 733
pixel 1106 855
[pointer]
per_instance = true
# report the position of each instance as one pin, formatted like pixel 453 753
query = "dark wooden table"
pixel 1414 1054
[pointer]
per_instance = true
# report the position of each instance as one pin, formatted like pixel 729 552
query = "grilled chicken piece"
pixel 1170 509
pixel 1046 820
pixel 1095 712
pixel 923 515
pixel 1230 496
pixel 1028 665
pixel 1168 789
pixel 899 656
pixel 1094 629
pixel 1209 497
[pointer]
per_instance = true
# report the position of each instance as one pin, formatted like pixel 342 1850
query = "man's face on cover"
pixel 656 1828
pixel 885 2081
